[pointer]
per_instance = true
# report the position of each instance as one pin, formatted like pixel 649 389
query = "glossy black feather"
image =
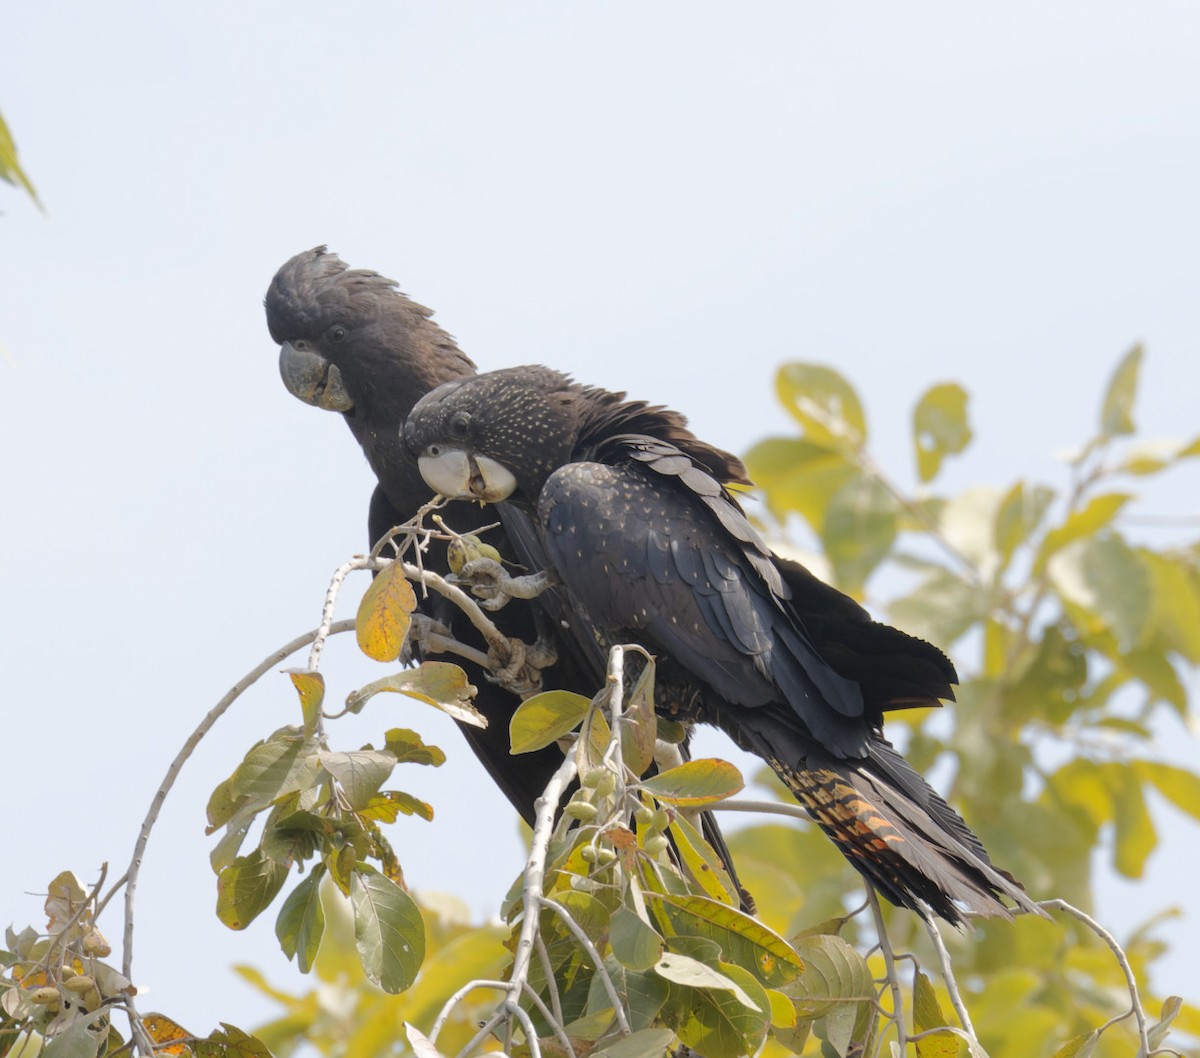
pixel 638 524
pixel 389 353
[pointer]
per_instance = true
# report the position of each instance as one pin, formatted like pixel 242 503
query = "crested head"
pixel 352 342
pixel 495 434
pixel 315 287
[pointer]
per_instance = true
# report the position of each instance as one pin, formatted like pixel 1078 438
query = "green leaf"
pixel 859 530
pixel 1176 611
pixel 823 402
pixel 1079 1046
pixel 697 782
pixel 1162 1028
pixel 684 970
pixel 1099 512
pixel 408 748
pixel 639 725
pixel 246 888
pixel 1110 585
pixel 1116 413
pixel 360 773
pixel 834 972
pixel 942 608
pixel 646 1043
pixel 634 942
pixel 384 615
pixel 798 476
pixel 282 764
pixel 388 930
pixel 1020 513
pixel 1135 835
pixel 311 688
pixel 544 718
pixel 436 683
pixel 718 1023
pixel 301 921
pixel 940 427
pixel 230 1042
pixel 1178 785
pixel 742 939
pixel 927 1014
pixel 77 1040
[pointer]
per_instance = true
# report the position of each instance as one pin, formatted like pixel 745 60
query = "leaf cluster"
pixel 1081 631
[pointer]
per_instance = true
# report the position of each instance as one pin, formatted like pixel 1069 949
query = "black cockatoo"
pixel 638 526
pixel 351 342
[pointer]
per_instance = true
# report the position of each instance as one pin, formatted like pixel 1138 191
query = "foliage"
pixel 10 166
pixel 624 936
pixel 1080 635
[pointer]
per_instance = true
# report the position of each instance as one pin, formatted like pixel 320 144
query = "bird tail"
pixel 894 828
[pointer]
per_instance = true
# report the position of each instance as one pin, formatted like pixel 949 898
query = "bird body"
pixel 637 522
pixel 352 343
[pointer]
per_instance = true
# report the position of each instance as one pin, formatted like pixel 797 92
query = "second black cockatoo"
pixel 637 524
pixel 351 342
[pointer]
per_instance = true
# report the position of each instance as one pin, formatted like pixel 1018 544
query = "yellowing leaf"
pixel 311 688
pixel 697 782
pixel 1178 785
pixel 701 862
pixel 162 1030
pixel 823 402
pixel 543 719
pixel 940 427
pixel 436 683
pixel 383 615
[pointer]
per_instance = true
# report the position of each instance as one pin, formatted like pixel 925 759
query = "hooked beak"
pixel 460 475
pixel 313 379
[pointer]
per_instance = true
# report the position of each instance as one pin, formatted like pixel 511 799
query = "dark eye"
pixel 337 333
pixel 460 424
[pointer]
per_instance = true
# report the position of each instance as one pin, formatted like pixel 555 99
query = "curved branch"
pixel 130 878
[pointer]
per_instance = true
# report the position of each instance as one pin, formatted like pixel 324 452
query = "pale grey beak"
pixel 462 476
pixel 313 379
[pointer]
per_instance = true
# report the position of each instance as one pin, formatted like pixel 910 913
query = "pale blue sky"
pixel 642 194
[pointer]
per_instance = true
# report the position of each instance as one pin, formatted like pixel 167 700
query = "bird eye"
pixel 337 333
pixel 460 424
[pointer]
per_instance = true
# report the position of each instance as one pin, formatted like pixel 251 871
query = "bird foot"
pixel 517 667
pixel 490 582
pixel 422 639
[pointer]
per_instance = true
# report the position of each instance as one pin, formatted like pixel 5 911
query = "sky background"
pixel 667 198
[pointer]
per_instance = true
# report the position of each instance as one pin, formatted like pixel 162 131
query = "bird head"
pixel 494 436
pixel 351 342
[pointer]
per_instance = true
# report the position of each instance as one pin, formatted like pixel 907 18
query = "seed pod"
pixel 46 997
pixel 654 844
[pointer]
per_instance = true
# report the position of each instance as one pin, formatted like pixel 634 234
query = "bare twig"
pixel 1135 1002
pixel 130 878
pixel 585 942
pixel 889 962
pixel 956 1001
